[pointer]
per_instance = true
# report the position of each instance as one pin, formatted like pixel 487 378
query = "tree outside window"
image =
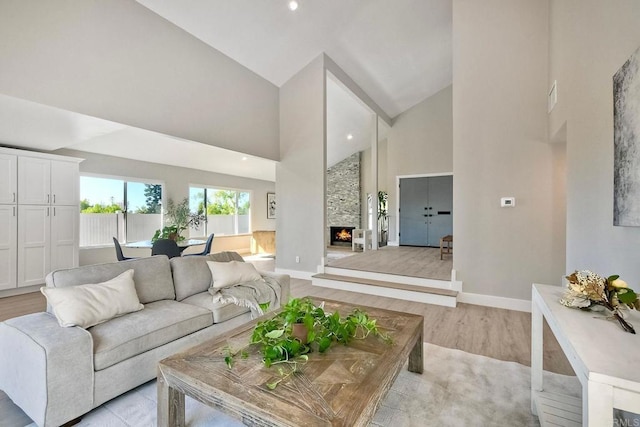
pixel 228 211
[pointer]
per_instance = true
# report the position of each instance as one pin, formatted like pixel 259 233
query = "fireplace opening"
pixel 341 236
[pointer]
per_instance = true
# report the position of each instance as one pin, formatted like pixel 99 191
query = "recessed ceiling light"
pixel 245 158
pixel 293 5
pixel 349 137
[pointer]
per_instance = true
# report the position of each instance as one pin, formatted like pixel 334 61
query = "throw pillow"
pixel 231 273
pixel 88 305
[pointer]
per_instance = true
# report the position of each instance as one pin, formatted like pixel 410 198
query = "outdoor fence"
pixel 99 229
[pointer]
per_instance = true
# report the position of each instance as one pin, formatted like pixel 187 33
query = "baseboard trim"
pixel 20 291
pixel 296 274
pixel 494 301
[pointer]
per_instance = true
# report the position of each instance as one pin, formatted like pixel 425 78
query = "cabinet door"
pixel 64 237
pixel 34 238
pixel 65 181
pixel 8 178
pixel 34 181
pixel 8 246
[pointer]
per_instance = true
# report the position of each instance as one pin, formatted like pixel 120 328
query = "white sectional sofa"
pixel 56 374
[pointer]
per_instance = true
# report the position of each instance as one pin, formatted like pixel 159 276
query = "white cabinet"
pixel 43 182
pixel 34 237
pixel 8 179
pixel 34 181
pixel 64 237
pixel 8 246
pixel 39 216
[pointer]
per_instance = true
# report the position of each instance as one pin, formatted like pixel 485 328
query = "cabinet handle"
pixel 54 211
pixel 14 197
pixel 54 199
pixel 47 211
pixel 14 211
pixel 48 197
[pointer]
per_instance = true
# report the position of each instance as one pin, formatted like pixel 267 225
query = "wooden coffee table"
pixel 342 387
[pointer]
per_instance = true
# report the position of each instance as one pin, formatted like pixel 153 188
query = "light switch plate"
pixel 507 202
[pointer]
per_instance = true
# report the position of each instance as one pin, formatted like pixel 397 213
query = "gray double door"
pixel 426 210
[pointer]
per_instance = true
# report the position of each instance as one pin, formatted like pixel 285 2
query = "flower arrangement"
pixel 587 289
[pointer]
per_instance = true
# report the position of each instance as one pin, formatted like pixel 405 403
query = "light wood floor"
pixel 401 260
pixel 22 304
pixel 492 332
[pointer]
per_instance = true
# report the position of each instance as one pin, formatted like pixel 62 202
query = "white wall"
pixel 590 40
pixel 420 142
pixel 300 174
pixel 500 58
pixel 177 181
pixel 119 61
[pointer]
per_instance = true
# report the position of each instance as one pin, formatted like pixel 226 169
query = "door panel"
pixel 441 204
pixel 64 183
pixel 8 178
pixel 426 210
pixel 64 237
pixel 8 246
pixel 33 244
pixel 414 195
pixel 34 181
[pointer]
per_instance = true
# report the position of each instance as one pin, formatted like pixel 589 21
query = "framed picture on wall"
pixel 626 143
pixel 271 205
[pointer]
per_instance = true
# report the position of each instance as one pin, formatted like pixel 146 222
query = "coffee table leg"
pixel 416 363
pixel 170 404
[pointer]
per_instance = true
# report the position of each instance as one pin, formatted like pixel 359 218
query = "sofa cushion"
pixel 159 323
pixel 152 276
pixel 191 274
pixel 91 304
pixel 221 311
pixel 225 274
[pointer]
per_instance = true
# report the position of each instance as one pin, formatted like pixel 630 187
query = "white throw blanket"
pixel 251 295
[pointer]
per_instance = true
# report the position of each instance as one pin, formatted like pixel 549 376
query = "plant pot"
pixel 173 236
pixel 300 331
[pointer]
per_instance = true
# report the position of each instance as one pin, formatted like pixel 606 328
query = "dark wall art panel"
pixel 626 137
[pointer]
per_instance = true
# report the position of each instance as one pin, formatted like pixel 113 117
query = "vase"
pixel 300 331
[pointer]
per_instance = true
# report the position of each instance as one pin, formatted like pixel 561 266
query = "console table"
pixel 605 358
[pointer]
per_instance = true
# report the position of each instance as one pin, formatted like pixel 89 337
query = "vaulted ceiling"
pixel 398 51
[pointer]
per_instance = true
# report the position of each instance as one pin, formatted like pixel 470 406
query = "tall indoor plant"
pixel 178 218
pixel 383 218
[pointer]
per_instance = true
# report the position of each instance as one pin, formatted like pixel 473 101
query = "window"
pixel 127 210
pixel 227 211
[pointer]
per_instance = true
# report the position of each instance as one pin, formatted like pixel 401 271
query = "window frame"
pixel 224 188
pixel 125 180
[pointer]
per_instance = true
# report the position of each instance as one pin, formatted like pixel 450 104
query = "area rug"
pixel 456 389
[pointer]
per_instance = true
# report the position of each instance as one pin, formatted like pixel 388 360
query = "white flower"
pixel 575 300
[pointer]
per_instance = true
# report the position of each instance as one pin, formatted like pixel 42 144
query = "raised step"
pixel 424 294
pixel 452 284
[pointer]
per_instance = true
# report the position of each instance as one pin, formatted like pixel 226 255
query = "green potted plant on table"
pixel 302 327
pixel 178 218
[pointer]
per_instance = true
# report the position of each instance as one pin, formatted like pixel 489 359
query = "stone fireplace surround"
pixel 343 197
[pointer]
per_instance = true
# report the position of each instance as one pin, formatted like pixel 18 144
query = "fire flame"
pixel 343 235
